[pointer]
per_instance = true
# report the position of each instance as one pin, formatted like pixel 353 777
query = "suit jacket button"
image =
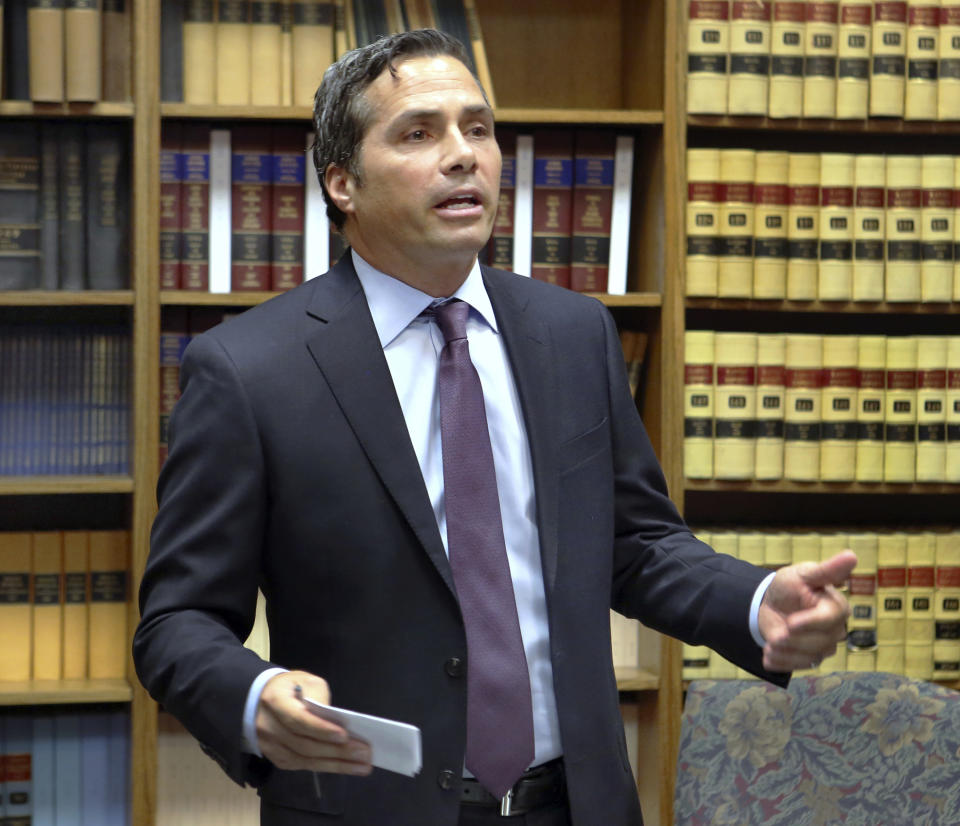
pixel 454 667
pixel 447 779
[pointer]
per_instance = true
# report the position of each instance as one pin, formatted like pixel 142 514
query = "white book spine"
pixel 220 206
pixel 523 208
pixel 620 218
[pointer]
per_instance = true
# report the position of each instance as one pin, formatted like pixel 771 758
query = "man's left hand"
pixel 803 616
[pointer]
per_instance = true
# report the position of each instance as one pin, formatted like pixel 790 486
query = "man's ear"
pixel 340 187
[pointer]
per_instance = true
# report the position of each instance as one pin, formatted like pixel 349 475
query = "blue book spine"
pixel 96 775
pixel 44 769
pixel 18 764
pixel 67 769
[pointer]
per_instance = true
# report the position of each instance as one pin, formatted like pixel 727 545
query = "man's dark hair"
pixel 341 112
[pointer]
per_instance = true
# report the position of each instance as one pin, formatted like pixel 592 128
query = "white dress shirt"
pixel 412 344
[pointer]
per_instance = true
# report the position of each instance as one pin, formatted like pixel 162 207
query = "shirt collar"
pixel 394 304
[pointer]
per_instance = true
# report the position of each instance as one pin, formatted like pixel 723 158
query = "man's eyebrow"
pixel 413 115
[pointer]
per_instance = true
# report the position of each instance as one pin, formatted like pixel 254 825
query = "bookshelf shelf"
pixel 839 307
pixel 29 109
pixel 838 488
pixel 64 692
pixel 636 679
pixel 873 126
pixel 249 299
pixel 64 298
pixel 532 115
pixel 46 485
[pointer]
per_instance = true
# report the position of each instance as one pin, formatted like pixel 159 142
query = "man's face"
pixel 430 170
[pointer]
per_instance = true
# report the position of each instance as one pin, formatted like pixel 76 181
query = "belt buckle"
pixel 506 804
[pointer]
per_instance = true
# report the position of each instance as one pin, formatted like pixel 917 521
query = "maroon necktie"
pixel 499 709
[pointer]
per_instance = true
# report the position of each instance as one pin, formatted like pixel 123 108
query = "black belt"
pixel 540 786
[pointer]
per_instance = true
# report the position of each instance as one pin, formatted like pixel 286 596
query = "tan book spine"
pixel 891 601
pixel 76 604
pixel 777 550
pixel 820 58
pixel 952 471
pixel 923 31
pixel 936 229
pixel 931 408
pixel 770 220
pixel 889 63
pixel 109 592
pixel 921 587
pixel 735 265
pixel 862 597
pixel 771 400
pixel 233 52
pixel 869 226
pixel 735 406
pixel 786 59
pixel 286 52
pixel 16 613
pixel 45 36
pixel 946 608
pixel 802 414
pixel 948 61
pixel 853 59
pixel 703 221
pixel 312 47
pixel 698 404
pixel 838 438
pixel 956 228
pixel 117 50
pixel 266 62
pixel 708 46
pixel 199 52
pixel 83 50
pixel 900 429
pixel 835 269
pixel 749 57
pixel 904 185
pixel 751 547
pixel 47 593
pixel 803 230
pixel 871 407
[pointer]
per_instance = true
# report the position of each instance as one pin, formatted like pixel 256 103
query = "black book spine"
pixel 49 206
pixel 171 51
pixel 19 207
pixel 108 207
pixel 16 52
pixel 73 208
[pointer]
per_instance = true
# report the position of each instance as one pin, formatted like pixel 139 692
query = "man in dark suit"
pixel 306 459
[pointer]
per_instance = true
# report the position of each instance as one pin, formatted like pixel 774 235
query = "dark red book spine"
pixel 552 205
pixel 171 206
pixel 250 209
pixel 195 209
pixel 501 239
pixel 592 210
pixel 289 167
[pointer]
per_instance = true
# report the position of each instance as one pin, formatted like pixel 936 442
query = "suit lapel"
pixel 527 340
pixel 345 346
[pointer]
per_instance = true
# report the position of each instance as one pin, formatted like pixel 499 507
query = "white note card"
pixel 394 746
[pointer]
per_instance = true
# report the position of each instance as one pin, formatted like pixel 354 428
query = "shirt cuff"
pixel 758 596
pixel 250 744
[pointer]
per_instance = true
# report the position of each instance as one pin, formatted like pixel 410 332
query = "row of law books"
pixel 830 226
pixel 64 766
pixel 843 59
pixel 66 50
pixel 64 206
pixel 64 605
pixel 275 53
pixel 904 598
pixel 832 408
pixel 65 399
pixel 242 209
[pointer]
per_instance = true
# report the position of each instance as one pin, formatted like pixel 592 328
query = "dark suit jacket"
pixel 291 469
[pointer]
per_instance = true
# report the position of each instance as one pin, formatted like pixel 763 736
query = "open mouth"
pixel 459 202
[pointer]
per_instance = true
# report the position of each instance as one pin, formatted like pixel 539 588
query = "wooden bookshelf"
pixel 29 109
pixel 64 692
pixel 65 298
pixel 837 488
pixel 871 126
pixel 49 485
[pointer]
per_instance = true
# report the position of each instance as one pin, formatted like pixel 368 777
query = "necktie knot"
pixel 452 318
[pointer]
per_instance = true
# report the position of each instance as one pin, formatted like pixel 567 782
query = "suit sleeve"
pixel 199 588
pixel 663 575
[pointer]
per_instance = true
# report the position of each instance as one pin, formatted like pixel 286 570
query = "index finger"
pixel 831 609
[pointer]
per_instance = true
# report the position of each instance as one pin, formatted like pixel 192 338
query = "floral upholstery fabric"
pixel 862 749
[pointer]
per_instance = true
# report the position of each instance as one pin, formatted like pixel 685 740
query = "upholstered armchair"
pixel 862 749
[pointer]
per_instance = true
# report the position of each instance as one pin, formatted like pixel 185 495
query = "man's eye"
pixel 417 135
